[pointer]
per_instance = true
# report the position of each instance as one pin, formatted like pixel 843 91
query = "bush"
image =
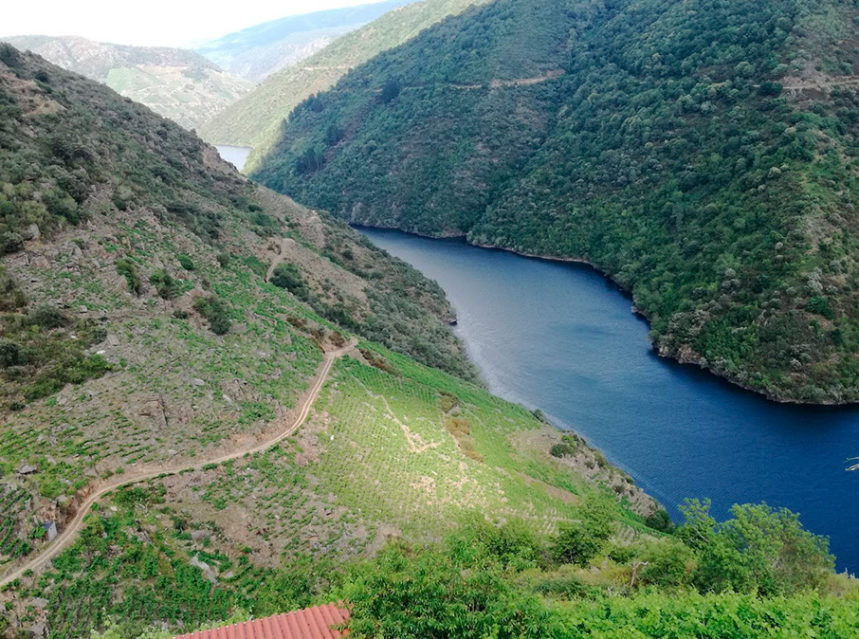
pixel 660 520
pixel 579 542
pixel 562 449
pixel 10 354
pixel 48 317
pixel 9 55
pixel 820 306
pixel 760 549
pixel 126 268
pixel 166 285
pixel 287 276
pixel 216 312
pixel 186 262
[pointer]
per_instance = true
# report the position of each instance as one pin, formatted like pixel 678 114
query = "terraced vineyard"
pixel 378 460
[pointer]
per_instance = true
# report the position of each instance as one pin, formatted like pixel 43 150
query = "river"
pixel 235 155
pixel 562 338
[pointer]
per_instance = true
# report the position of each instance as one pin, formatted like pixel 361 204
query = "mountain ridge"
pixel 260 50
pixel 255 120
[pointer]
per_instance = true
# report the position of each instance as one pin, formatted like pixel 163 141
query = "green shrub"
pixel 166 285
pixel 9 55
pixel 580 541
pixel 660 520
pixel 128 270
pixel 186 262
pixel 820 306
pixel 287 276
pixel 562 449
pixel 216 312
pixel 48 317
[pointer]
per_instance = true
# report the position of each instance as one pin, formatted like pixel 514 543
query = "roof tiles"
pixel 310 623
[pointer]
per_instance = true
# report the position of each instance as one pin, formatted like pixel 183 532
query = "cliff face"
pixel 701 154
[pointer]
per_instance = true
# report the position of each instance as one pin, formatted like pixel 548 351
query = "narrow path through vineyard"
pixel 71 530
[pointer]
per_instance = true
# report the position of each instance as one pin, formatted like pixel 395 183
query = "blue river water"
pixel 562 338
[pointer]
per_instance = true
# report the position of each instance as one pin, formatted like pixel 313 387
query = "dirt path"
pixel 71 530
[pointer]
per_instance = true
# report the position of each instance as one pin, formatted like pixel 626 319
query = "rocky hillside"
pixel 178 84
pixel 255 120
pixel 701 154
pixel 262 49
pixel 167 324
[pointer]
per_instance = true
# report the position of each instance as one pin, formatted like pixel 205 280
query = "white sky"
pixel 172 23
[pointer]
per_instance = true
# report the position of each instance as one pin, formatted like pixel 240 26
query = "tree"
pixel 580 541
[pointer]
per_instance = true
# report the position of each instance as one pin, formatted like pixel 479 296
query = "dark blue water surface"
pixel 562 338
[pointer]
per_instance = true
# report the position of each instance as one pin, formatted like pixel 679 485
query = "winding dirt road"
pixel 71 530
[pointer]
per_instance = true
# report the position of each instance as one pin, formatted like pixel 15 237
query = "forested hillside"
pixel 701 153
pixel 255 120
pixel 178 84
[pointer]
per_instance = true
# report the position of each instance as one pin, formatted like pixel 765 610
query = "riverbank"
pixel 684 354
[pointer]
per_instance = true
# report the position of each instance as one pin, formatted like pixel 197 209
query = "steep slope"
pixel 162 327
pixel 208 446
pixel 178 84
pixel 135 263
pixel 262 49
pixel 255 120
pixel 701 154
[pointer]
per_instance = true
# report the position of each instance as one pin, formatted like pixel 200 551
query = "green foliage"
pixel 216 312
pixel 287 276
pixel 166 285
pixel 578 542
pixel 128 270
pixel 760 549
pixel 435 595
pixel 660 520
pixel 651 139
pixel 185 261
pixel 562 449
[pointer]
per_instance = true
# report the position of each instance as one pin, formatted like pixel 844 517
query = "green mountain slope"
pixel 255 120
pixel 262 49
pixel 180 85
pixel 179 404
pixel 160 311
pixel 701 154
pixel 136 323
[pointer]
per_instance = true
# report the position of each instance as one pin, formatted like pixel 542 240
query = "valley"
pixel 662 147
pixel 344 377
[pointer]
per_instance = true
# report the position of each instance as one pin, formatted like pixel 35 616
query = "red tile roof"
pixel 310 623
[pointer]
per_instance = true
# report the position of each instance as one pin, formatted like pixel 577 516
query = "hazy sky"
pixel 150 22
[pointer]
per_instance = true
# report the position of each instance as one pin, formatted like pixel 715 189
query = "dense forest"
pixel 702 154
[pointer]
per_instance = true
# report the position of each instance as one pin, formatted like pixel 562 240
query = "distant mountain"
pixel 255 120
pixel 703 154
pixel 258 51
pixel 178 84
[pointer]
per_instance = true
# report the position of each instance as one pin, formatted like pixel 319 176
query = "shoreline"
pixel 671 358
